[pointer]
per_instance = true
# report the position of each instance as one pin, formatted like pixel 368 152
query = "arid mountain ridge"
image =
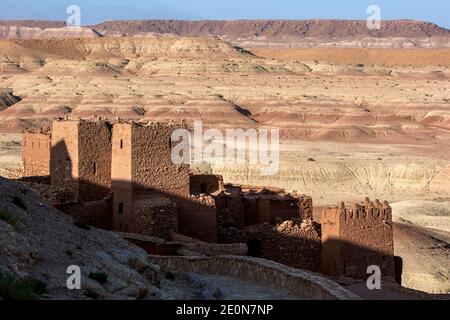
pixel 239 29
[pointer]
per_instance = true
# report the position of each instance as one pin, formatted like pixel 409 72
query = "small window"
pixel 170 143
pixel 121 144
pixel 120 208
pixel 94 168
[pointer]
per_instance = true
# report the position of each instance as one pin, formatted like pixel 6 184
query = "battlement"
pixel 366 210
pixel 357 236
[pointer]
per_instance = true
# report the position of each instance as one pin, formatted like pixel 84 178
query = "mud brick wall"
pixel 230 217
pixel 94 160
pixel 121 157
pixel 122 209
pixel 152 166
pixel 273 207
pixel 121 177
pixel 36 147
pixel 155 218
pixel 65 157
pixel 81 158
pixel 94 213
pixel 197 218
pixel 295 245
pixel 305 205
pixel 356 238
pixel 206 184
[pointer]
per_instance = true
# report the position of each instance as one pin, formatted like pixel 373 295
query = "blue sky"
pixel 93 11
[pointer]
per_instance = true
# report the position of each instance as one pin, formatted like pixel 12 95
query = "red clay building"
pixel 81 159
pixel 355 238
pixel 36 150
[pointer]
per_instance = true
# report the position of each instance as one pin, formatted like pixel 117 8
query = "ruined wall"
pixel 65 158
pixel 197 218
pixel 36 147
pixel 272 207
pixel 94 160
pixel 154 216
pixel 94 213
pixel 356 238
pixel 206 184
pixel 291 243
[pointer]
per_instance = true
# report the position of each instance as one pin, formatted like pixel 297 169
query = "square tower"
pixel 81 159
pixel 36 147
pixel 354 239
pixel 142 165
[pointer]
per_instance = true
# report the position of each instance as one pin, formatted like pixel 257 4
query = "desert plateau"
pixel 360 113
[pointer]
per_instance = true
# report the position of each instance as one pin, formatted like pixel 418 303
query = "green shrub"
pixel 8 218
pixel 100 277
pixel 12 288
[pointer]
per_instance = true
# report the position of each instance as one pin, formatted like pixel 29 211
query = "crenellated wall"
pixel 355 238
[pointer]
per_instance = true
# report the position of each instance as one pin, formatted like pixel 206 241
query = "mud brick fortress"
pixel 119 176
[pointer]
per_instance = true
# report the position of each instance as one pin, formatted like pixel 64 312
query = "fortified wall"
pixel 356 238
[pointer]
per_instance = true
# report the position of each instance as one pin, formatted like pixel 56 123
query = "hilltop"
pixel 294 33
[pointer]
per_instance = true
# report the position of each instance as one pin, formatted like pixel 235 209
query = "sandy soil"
pixel 391 57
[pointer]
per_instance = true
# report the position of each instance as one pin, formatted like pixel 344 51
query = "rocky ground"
pixel 40 242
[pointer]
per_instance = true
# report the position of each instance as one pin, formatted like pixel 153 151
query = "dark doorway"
pixel 203 188
pixel 398 263
pixel 254 248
